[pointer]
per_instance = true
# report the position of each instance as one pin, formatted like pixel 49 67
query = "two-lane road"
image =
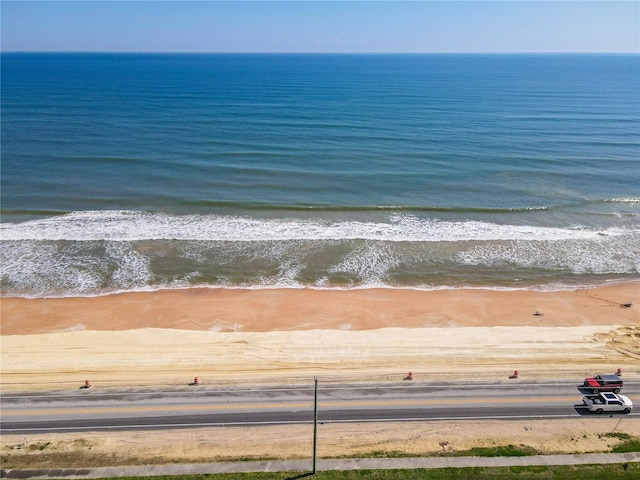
pixel 199 406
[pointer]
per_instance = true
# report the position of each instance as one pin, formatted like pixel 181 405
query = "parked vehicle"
pixel 607 402
pixel 603 383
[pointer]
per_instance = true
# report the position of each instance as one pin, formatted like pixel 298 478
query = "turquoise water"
pixel 132 172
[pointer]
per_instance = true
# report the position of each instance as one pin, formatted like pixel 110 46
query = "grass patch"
pixel 39 446
pixel 247 458
pixel 381 454
pixel 533 469
pixel 630 445
pixel 619 435
pixel 500 451
pixel 69 460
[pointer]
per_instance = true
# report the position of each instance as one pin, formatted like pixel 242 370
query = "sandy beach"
pixel 220 335
pixel 226 337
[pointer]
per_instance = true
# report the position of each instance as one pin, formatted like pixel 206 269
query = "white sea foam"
pixel 579 257
pixel 124 251
pixel 370 263
pixel 631 200
pixel 135 226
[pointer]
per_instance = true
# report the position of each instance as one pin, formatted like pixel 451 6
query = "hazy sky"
pixel 321 26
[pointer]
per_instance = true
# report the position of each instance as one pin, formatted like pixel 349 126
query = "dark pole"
pixel 614 428
pixel 315 422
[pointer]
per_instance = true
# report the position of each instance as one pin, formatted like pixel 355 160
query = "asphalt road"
pixel 96 409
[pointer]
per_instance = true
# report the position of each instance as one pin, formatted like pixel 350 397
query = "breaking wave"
pixel 94 253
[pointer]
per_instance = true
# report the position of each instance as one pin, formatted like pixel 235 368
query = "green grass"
pixel 630 445
pixel 501 451
pixel 39 446
pixel 627 442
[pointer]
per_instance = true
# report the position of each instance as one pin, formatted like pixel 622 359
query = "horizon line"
pixel 190 52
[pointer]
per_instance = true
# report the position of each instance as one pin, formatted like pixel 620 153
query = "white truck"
pixel 607 402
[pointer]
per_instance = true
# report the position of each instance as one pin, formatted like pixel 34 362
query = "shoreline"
pixel 469 288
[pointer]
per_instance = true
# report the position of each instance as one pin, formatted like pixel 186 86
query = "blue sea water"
pixel 143 171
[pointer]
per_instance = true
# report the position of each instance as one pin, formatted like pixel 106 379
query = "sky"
pixel 322 26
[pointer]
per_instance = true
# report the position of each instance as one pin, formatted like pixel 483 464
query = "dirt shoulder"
pixel 72 450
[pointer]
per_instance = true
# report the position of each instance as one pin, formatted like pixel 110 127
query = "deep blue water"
pixel 130 172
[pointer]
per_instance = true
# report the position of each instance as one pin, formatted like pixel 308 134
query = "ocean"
pixel 134 172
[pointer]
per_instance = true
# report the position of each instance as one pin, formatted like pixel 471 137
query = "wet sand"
pixel 229 310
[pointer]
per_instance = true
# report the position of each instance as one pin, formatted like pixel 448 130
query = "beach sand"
pixel 291 335
pixel 237 310
pixel 229 337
